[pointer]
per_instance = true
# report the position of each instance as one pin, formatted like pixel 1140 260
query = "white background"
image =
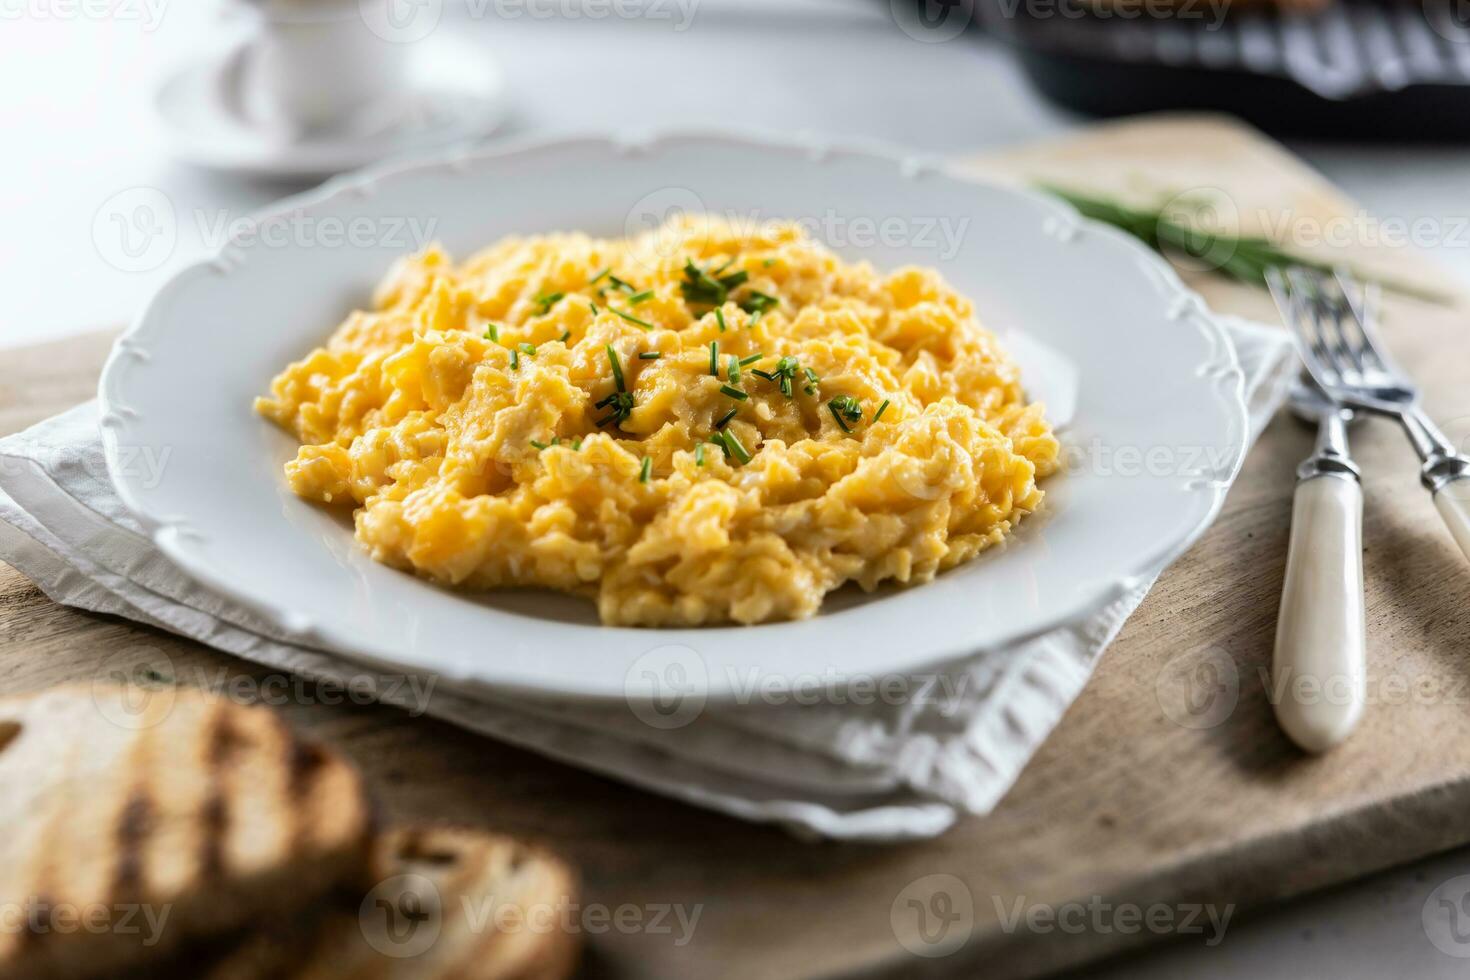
pixel 77 129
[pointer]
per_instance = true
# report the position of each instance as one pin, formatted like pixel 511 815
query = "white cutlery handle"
pixel 1453 502
pixel 1319 664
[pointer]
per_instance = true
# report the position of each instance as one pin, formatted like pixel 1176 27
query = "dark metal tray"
pixel 1366 69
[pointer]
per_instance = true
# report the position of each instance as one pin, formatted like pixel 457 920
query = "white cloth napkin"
pixel 886 770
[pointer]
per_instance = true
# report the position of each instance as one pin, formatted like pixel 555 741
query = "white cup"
pixel 313 63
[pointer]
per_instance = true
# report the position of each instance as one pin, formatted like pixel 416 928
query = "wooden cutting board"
pixel 1167 782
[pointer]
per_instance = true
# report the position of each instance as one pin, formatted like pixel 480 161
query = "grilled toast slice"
pixel 138 817
pixel 448 904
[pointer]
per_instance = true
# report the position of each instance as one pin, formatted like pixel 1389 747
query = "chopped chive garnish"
pixel 786 367
pixel 845 409
pixel 811 381
pixel 881 409
pixel 593 307
pixel 710 289
pixel 758 302
pixel 724 265
pixel 751 359
pixel 785 373
pixel 515 360
pixel 622 407
pixel 714 358
pixel 700 287
pixel 767 263
pixel 621 400
pixel 625 286
pixel 732 442
pixel 576 444
pixel 725 419
pixel 833 409
pixel 733 392
pixel 632 319
pixel 637 298
pixel 540 445
pixel 720 318
pixel 565 336
pixel 646 471
pixel 650 355
pixel 492 332
pixel 617 366
pixel 605 270
pixel 528 349
pixel 699 455
pixel 764 374
pixel 732 369
pixel 548 300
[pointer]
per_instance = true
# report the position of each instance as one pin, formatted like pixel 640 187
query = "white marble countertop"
pixel 79 131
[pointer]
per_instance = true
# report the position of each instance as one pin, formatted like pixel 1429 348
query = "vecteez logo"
pixel 402 916
pixel 401 21
pixel 666 688
pixel 1198 229
pixel 933 916
pixel 134 688
pixel 146 13
pixel 932 21
pixel 656 215
pixel 1446 917
pixel 1450 19
pixel 1199 688
pixel 136 230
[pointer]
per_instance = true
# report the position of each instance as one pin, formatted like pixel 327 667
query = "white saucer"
pixel 454 92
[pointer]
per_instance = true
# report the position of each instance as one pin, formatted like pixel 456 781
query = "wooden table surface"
pixel 1167 782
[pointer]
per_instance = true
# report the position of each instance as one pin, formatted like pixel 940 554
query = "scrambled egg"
pixel 703 424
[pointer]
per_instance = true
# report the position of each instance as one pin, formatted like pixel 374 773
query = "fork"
pixel 1333 318
pixel 1320 629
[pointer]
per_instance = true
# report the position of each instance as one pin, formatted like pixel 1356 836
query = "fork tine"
pixel 1363 303
pixel 1290 308
pixel 1289 303
pixel 1311 306
pixel 1345 342
pixel 1355 343
pixel 1329 310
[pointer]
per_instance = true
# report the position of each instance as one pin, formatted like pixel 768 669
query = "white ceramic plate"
pixel 1158 433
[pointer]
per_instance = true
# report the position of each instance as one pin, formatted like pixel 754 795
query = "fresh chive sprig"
pixel 846 410
pixel 1242 258
pixel 632 319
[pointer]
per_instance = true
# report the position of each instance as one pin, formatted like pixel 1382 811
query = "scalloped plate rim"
pixel 169 536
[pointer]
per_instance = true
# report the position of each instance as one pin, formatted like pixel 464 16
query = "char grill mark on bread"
pixel 209 813
pixel 444 872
